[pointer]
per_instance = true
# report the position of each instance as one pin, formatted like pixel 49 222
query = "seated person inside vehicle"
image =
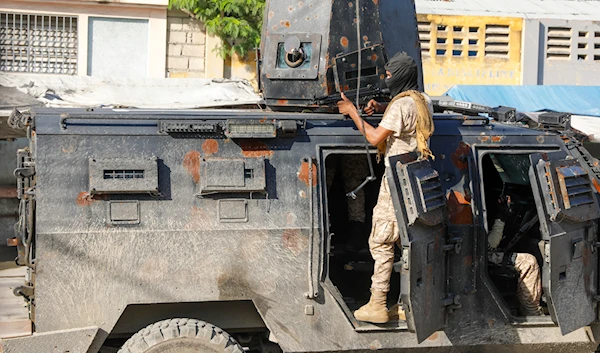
pixel 514 255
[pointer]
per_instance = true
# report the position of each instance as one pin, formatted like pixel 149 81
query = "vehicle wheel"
pixel 181 336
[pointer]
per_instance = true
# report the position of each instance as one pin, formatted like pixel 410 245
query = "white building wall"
pixel 561 52
pixel 153 11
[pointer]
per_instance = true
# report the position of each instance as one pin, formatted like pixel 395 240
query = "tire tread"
pixel 169 329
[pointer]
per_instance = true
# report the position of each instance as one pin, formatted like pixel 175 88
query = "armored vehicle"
pixel 214 230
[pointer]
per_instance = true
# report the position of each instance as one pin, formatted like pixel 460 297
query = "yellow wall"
pixel 489 52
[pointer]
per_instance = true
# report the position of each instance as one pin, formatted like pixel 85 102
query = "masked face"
pixel 402 73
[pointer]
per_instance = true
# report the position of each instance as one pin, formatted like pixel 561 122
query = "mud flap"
pixel 420 207
pixel 568 211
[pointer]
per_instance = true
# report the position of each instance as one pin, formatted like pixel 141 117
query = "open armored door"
pixel 420 206
pixel 568 210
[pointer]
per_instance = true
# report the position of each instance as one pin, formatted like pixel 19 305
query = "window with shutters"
pixel 558 44
pixel 434 40
pixel 425 37
pixel 38 43
pixel 497 41
pixel 597 47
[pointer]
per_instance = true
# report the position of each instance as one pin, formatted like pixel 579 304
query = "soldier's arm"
pixel 374 135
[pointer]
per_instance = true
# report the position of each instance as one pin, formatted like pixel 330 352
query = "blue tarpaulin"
pixel 577 100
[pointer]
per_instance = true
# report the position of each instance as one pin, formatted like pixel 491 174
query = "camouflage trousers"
pixel 529 286
pixel 354 171
pixel 384 234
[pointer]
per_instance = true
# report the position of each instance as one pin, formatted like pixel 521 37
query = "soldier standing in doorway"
pixel 406 127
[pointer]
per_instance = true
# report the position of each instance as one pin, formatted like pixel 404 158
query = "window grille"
pixel 425 37
pixel 497 41
pixel 38 43
pixel 558 44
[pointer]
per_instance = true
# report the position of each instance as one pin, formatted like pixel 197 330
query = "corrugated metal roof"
pixel 532 9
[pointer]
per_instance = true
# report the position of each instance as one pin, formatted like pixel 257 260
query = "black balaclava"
pixel 405 74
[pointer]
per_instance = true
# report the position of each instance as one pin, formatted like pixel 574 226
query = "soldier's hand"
pixel 373 107
pixel 345 106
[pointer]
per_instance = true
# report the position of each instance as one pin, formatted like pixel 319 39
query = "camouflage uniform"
pixel 529 287
pixel 401 118
pixel 355 170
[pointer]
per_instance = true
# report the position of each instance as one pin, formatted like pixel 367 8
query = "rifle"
pixel 366 94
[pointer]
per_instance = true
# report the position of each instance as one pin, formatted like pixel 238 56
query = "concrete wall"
pixel 186 46
pixel 154 11
pixel 469 51
pixel 117 47
pixel 561 52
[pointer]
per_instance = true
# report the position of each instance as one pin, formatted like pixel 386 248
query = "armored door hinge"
pixel 452 302
pixel 25 172
pixel 23 291
pixel 454 244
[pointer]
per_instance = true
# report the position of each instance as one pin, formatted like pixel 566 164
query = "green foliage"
pixel 237 22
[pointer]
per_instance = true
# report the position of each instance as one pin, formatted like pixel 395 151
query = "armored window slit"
pixel 124 174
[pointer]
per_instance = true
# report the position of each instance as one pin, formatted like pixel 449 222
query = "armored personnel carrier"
pixel 214 230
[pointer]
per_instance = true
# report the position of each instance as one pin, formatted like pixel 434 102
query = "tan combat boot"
pixel 375 310
pixel 396 313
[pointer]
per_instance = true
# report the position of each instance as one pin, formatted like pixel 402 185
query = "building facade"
pixel 112 38
pixel 124 38
pixel 509 42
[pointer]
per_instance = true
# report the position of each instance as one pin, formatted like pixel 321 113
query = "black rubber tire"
pixel 181 336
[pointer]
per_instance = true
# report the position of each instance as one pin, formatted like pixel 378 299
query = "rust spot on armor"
pixel 252 148
pixel 191 162
pixel 303 174
pixel 282 101
pixel 294 241
pixel 374 57
pixel 8 193
pixel 596 185
pixel 375 345
pixel 468 261
pixel 365 38
pixel 271 14
pixel 497 138
pixel 458 156
pixel 210 147
pixel 434 337
pixel 344 42
pixel 69 149
pixel 540 139
pixel 484 139
pixel 13 242
pixel 459 208
pixel 85 199
pixel 287 24
pixel 376 2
